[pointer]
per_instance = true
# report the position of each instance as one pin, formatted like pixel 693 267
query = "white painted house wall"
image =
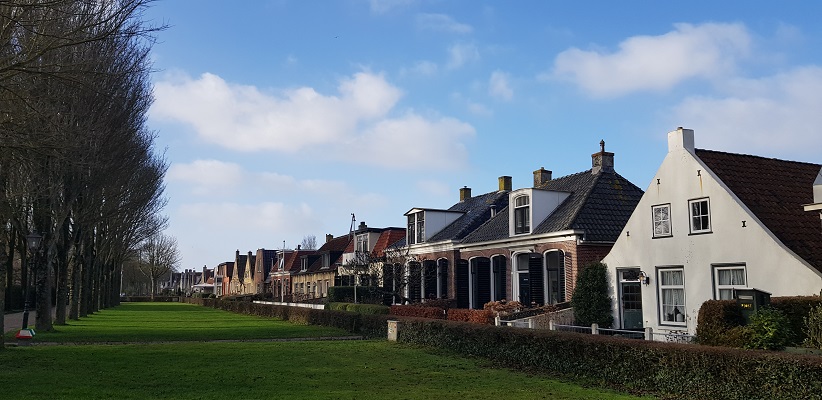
pixel 770 266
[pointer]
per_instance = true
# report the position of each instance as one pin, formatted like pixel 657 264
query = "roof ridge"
pixel 755 156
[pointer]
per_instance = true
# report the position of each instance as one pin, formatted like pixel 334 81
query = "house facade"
pixel 318 270
pixel 532 250
pixel 711 222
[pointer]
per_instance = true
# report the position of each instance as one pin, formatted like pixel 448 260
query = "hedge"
pixel 718 319
pixel 345 294
pixel 417 311
pixel 667 369
pixel 358 308
pixel 485 317
pixel 369 326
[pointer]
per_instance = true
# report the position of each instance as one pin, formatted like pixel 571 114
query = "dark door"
pixel 524 289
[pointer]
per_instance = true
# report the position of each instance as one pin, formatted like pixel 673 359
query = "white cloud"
pixel 413 142
pixel 775 116
pixel 442 23
pixel 499 87
pixel 207 176
pixel 655 63
pixel 424 68
pixel 243 118
pixel 461 54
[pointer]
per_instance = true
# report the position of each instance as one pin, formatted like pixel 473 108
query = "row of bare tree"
pixel 77 161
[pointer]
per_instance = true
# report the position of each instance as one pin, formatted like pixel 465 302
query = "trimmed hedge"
pixel 669 369
pixel 417 311
pixel 719 321
pixel 358 308
pixel 345 294
pixel 485 317
pixel 369 326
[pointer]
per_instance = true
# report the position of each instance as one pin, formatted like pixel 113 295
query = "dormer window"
pixel 362 243
pixel 416 227
pixel 304 264
pixel 522 215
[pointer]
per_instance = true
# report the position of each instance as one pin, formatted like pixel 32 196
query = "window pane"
pixel 669 278
pixel 726 294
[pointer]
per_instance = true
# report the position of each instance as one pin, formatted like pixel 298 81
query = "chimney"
pixel 602 161
pixel 541 176
pixel 362 226
pixel 298 247
pixel 465 193
pixel 493 210
pixel 681 139
pixel 328 237
pixel 505 184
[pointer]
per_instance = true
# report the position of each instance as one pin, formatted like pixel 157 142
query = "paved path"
pixel 13 322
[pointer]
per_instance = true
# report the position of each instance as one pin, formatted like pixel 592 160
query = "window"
pixel 726 279
pixel 362 243
pixel 522 215
pixel 672 296
pixel 416 227
pixel 700 214
pixel 304 264
pixel 662 220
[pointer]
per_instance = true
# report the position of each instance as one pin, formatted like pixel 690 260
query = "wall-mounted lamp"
pixel 643 278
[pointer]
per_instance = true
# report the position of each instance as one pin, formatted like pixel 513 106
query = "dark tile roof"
pixel 599 204
pixel 239 266
pixel 774 190
pixel 229 269
pixel 477 210
pixel 334 248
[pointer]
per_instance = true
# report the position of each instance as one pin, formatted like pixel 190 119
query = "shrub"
pixel 345 294
pixel 813 328
pixel 444 304
pixel 716 319
pixel 590 301
pixel 503 307
pixel 485 317
pixel 769 329
pixel 417 311
pixel 796 308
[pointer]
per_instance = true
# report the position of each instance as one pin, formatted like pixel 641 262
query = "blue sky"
pixel 281 118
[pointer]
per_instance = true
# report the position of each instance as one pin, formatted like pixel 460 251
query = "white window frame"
pixel 706 213
pixel 661 221
pixel 663 319
pixel 522 208
pixel 718 287
pixel 362 242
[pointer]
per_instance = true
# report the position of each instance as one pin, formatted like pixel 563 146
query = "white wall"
pixel 769 265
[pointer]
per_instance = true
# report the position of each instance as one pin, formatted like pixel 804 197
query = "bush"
pixel 345 294
pixel 769 329
pixel 358 308
pixel 813 328
pixel 671 370
pixel 417 311
pixel 485 317
pixel 796 308
pixel 716 320
pixel 444 304
pixel 590 301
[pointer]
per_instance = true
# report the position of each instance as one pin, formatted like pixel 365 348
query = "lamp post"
pixel 33 243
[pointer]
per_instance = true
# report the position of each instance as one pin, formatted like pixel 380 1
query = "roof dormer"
pixel 425 222
pixel 530 206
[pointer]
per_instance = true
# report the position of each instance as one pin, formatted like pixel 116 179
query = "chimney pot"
pixel 541 176
pixel 362 226
pixel 493 210
pixel 298 247
pixel 505 183
pixel 465 193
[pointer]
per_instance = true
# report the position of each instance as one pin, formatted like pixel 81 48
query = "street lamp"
pixel 33 242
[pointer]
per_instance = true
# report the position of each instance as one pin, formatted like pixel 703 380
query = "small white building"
pixel 710 222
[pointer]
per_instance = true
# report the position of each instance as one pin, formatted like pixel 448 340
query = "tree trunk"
pixel 9 268
pixel 61 274
pixel 2 297
pixel 42 269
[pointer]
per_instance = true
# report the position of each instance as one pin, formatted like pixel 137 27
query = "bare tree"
pixel 158 257
pixel 390 274
pixel 309 243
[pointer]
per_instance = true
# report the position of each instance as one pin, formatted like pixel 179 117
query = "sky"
pixel 279 119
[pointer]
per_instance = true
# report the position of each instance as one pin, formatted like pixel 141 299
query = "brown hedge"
pixel 485 317
pixel 417 311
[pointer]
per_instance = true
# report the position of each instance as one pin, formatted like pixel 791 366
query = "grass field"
pixel 251 370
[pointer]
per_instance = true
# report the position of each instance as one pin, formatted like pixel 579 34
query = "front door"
pixel 524 289
pixel 630 299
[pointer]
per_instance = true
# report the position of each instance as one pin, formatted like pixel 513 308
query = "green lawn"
pixel 156 322
pixel 211 370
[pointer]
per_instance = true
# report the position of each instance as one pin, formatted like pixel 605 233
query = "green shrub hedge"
pixel 667 369
pixel 368 325
pixel 796 308
pixel 345 294
pixel 719 321
pixel 359 308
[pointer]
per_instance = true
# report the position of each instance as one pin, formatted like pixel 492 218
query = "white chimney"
pixel 681 139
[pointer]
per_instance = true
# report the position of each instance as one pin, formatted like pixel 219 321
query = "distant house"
pixel 369 247
pixel 320 267
pixel 222 278
pixel 532 249
pixel 264 262
pixel 291 262
pixel 238 281
pixel 711 222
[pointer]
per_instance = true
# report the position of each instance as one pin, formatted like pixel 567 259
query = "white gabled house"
pixel 710 222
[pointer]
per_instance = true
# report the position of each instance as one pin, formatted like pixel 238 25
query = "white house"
pixel 710 222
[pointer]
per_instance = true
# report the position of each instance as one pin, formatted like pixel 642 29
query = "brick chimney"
pixel 362 226
pixel 541 176
pixel 328 237
pixel 465 193
pixel 602 161
pixel 505 184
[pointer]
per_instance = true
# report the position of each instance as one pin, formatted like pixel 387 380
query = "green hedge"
pixel 719 320
pixel 417 311
pixel 796 308
pixel 369 326
pixel 666 369
pixel 358 308
pixel 345 294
